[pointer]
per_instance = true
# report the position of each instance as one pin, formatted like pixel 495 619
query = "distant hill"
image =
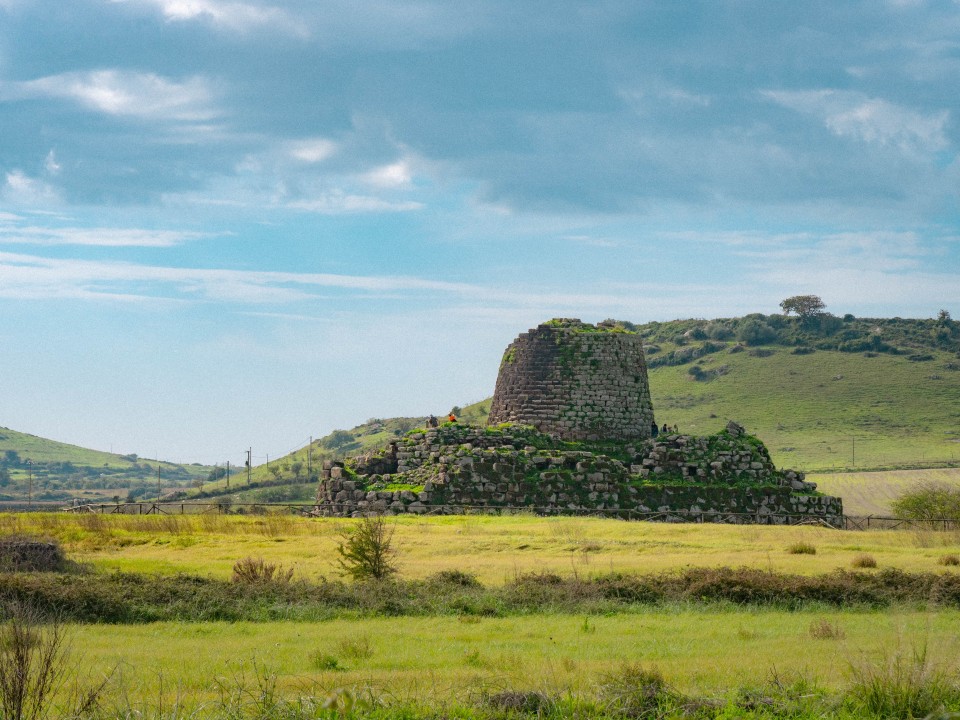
pixel 62 472
pixel 823 392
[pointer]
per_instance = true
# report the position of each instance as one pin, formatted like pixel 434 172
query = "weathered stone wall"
pixel 453 469
pixel 577 381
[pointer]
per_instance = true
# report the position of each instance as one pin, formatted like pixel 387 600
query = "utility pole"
pixel 228 476
pixel 249 461
pixel 30 484
pixel 310 456
pixel 854 450
pixel 158 481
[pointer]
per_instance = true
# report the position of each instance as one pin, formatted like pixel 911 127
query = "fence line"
pixel 847 522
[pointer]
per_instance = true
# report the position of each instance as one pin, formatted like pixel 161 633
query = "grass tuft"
pixel 864 560
pixel 801 548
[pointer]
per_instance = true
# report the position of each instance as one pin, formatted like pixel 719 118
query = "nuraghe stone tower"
pixel 575 380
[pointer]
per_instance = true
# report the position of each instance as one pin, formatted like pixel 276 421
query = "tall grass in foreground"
pixel 900 687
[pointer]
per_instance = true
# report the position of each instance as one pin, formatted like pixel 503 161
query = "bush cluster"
pixel 134 598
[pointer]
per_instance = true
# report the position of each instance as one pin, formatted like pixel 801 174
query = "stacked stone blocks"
pixel 578 381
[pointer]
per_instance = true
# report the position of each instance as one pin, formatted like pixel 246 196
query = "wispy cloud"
pixel 233 16
pixel 20 189
pixel 338 202
pixel 124 93
pixel 312 150
pixel 394 175
pixel 30 277
pixel 872 120
pixel 102 237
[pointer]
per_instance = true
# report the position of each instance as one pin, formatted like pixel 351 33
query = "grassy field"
pixel 431 660
pixel 870 493
pixel 496 549
pixel 712 651
pixel 823 410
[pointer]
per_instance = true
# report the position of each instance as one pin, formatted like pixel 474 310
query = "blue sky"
pixel 227 223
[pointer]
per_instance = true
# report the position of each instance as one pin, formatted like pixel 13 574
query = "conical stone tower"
pixel 575 380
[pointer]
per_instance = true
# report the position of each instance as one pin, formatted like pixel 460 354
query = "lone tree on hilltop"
pixel 805 306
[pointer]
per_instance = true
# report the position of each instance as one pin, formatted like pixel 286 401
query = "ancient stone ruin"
pixel 578 381
pixel 556 443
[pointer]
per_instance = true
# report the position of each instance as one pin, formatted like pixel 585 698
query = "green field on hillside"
pixel 822 410
pixel 60 471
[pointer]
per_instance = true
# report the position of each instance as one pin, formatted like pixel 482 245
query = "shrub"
pixel 455 577
pixel 358 648
pixel 366 552
pixel 326 661
pixel 636 692
pixel 949 560
pixel 254 571
pixel 928 501
pixel 864 560
pixel 20 553
pixel 801 548
pixel 512 701
pixel 823 629
pixel 755 332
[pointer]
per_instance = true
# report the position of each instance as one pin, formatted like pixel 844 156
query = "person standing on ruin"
pixel 654 430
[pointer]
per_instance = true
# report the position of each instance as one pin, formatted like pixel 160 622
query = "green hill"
pixel 59 471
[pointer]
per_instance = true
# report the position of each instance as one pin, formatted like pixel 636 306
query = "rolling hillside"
pixel 62 472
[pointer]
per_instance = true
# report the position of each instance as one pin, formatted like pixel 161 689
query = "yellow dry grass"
pixel 870 493
pixel 495 549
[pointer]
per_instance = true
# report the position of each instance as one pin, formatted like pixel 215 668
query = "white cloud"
pixel 234 16
pixel 338 202
pixel 102 237
pixel 313 150
pixel 21 189
pixel 873 120
pixel 395 175
pixel 124 93
pixel 30 277
pixel 50 164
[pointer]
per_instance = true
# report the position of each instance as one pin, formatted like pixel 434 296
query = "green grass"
pixel 436 661
pixel 883 412
pixel 63 472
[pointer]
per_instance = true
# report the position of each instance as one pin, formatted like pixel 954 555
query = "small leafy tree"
pixel 338 439
pixel 805 306
pixel 928 501
pixel 366 551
